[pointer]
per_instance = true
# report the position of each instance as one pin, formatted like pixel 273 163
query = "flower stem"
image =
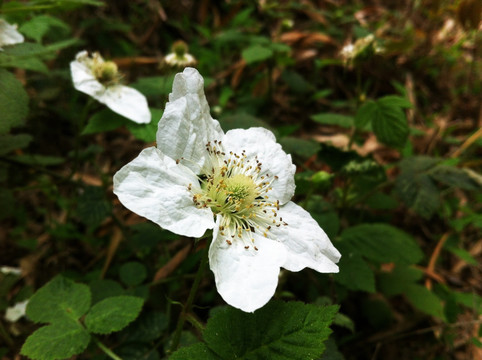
pixel 187 308
pixel 105 349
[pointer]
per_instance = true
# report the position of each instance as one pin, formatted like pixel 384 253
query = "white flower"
pixel 10 270
pixel 15 312
pixel 238 183
pixel 9 34
pixel 100 79
pixel 180 57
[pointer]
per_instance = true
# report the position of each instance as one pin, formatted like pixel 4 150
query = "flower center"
pixel 236 188
pixel 106 72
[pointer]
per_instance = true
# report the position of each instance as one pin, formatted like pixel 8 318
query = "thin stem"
pixel 107 351
pixel 187 308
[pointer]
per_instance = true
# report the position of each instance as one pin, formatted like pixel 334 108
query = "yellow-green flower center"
pixel 235 187
pixel 106 72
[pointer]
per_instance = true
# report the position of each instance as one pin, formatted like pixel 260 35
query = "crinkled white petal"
pixel 305 240
pixel 246 278
pixel 262 143
pixel 15 312
pixel 83 77
pixel 186 125
pixel 154 186
pixel 9 34
pixel 174 60
pixel 127 102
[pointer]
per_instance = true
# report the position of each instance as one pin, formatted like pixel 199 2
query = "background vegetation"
pixel 387 144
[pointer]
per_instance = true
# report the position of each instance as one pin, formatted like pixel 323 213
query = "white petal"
pixel 9 34
pixel 246 278
pixel 83 78
pixel 154 186
pixel 10 270
pixel 305 240
pixel 262 143
pixel 15 312
pixel 127 102
pixel 186 125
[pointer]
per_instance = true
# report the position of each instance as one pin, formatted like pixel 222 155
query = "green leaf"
pixel 104 120
pixel 333 119
pixel 154 85
pixel 148 327
pixel 355 274
pixel 424 300
pixel 40 25
pixel 387 119
pixel 57 300
pixel 113 314
pixel 453 176
pixel 301 147
pixel 132 273
pixel 365 114
pixel 396 101
pixel 61 340
pixel 415 186
pixel 9 142
pixel 13 102
pixel 243 121
pixel 199 351
pixel 390 124
pixel 146 132
pixel 256 53
pixel 278 331
pixel 382 243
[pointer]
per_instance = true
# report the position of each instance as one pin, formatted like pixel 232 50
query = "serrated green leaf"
pixel 61 340
pixel 365 114
pixel 395 282
pixel 334 119
pixel 382 243
pixel 132 273
pixel 148 327
pixel 137 351
pixel 58 300
pixel 415 186
pixel 40 25
pixel 256 53
pixel 104 288
pixel 9 142
pixel 113 314
pixel 301 147
pixel 390 125
pixel 104 120
pixel 355 274
pixel 199 351
pixel 453 176
pixel 424 300
pixel 278 331
pixel 146 132
pixel 13 102
pixel 396 101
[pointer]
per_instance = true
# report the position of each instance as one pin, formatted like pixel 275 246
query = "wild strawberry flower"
pixel 9 34
pixel 180 57
pixel 100 79
pixel 237 183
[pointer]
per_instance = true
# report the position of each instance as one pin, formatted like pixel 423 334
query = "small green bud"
pixel 180 48
pixel 322 179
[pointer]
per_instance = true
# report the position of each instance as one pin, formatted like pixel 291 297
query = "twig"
pixel 433 259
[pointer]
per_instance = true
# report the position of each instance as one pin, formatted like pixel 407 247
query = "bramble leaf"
pixel 113 314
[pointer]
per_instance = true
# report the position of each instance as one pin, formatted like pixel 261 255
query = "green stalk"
pixel 106 350
pixel 187 308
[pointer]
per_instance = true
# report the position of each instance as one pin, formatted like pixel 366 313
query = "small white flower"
pixel 15 312
pixel 180 57
pixel 100 79
pixel 365 46
pixel 10 270
pixel 9 34
pixel 238 183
